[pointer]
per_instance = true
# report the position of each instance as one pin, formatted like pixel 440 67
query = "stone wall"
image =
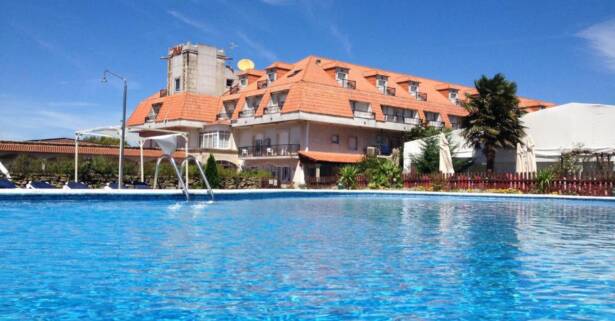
pixel 164 182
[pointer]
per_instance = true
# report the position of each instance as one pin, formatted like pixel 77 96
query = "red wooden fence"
pixel 589 184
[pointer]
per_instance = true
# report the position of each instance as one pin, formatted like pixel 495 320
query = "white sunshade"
pixel 569 126
pixel 413 149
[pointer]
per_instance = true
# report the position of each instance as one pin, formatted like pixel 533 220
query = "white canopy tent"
pixel 565 127
pixel 550 132
pixel 167 141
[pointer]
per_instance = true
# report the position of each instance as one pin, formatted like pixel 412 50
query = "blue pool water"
pixel 343 257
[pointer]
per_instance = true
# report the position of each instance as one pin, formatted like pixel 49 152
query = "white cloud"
pixel 29 120
pixel 259 48
pixel 342 38
pixel 601 38
pixel 193 23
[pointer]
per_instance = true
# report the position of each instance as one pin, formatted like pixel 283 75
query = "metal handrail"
pixel 200 168
pixel 182 185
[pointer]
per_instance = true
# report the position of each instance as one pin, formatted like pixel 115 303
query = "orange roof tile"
pixel 331 157
pixel 312 89
pixel 181 106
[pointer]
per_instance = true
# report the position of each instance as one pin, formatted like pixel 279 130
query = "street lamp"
pixel 123 135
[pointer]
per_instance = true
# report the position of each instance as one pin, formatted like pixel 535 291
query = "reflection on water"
pixel 334 258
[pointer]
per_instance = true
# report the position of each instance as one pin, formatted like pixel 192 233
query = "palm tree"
pixel 494 116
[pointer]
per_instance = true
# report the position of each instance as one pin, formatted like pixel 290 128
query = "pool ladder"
pixel 180 173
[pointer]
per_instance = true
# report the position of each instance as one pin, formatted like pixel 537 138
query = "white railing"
pixel 363 114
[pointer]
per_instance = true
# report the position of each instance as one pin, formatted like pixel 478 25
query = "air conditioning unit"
pixel 371 151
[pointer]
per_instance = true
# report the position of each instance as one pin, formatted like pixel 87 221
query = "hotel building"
pixel 298 120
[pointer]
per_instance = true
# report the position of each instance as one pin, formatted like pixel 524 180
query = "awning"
pixel 326 157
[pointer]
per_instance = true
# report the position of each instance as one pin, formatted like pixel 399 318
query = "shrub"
pixel 544 178
pixel 211 171
pixel 381 173
pixel 348 177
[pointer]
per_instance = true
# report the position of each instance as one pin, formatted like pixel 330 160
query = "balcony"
pixel 224 116
pixel 412 120
pixel 273 109
pixel 350 84
pixel 421 96
pixel 234 90
pixel 436 123
pixel 389 91
pixel 268 151
pixel 262 84
pixel 363 114
pixel 394 118
pixel 246 113
pixel 401 119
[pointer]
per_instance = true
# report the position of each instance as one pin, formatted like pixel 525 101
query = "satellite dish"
pixel 245 64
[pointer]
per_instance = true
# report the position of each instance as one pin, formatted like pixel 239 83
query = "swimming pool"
pixel 307 256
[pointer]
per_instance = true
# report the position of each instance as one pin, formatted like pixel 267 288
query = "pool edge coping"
pixel 176 192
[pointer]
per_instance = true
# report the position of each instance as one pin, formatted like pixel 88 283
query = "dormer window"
pixel 381 83
pixel 243 81
pixel 271 75
pixel 413 88
pixel 341 76
pixel 153 113
pixel 453 95
pixel 276 102
pixel 361 109
pixel 251 105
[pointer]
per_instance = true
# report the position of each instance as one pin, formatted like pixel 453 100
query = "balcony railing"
pixel 224 115
pixel 269 151
pixel 262 84
pixel 401 119
pixel 234 90
pixel 412 120
pixel 436 123
pixel 390 91
pixel 273 109
pixel 350 84
pixel 421 96
pixel 246 113
pixel 363 114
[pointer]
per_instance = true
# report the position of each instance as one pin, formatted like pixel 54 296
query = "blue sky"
pixel 53 52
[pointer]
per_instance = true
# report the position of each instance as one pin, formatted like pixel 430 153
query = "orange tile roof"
pixel 48 148
pixel 182 106
pixel 314 89
pixel 331 157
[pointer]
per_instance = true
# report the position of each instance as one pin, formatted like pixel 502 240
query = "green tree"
pixel 211 171
pixel 493 119
pixel 429 159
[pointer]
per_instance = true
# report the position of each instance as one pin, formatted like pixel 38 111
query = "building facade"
pixel 303 120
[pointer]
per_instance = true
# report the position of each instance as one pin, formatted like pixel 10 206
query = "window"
pixel 153 113
pixel 341 75
pixel 229 83
pixel 243 82
pixel 271 75
pixel 216 140
pixel 381 83
pixel 455 121
pixel 413 88
pixel 453 94
pixel 278 99
pixel 353 143
pixel 430 116
pixel 335 139
pixel 361 109
pixel 177 84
